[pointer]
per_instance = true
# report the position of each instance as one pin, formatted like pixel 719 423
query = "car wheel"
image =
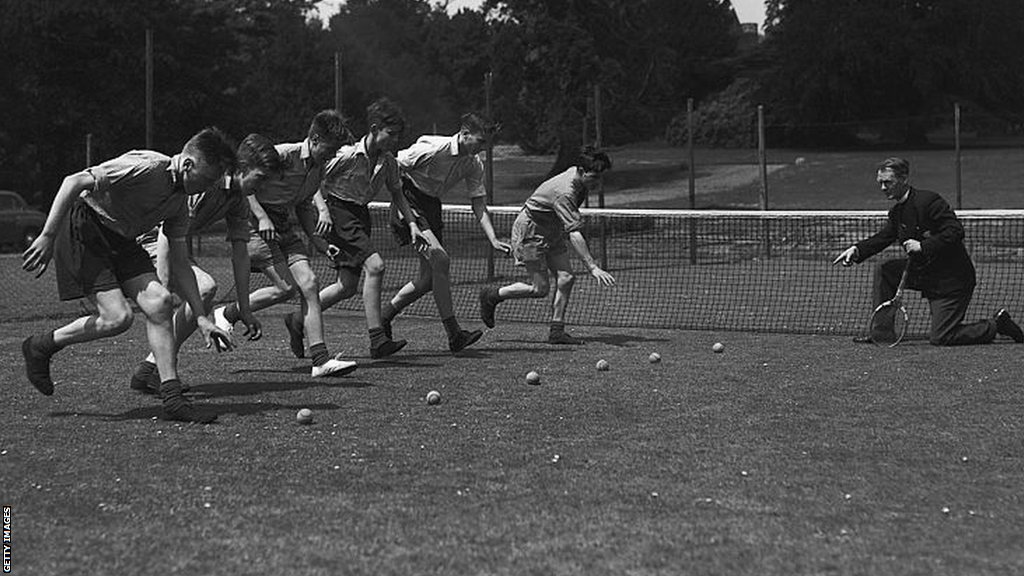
pixel 28 236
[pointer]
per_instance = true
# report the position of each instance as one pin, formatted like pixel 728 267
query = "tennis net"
pixel 767 271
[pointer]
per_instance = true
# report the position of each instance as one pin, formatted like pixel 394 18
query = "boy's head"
pixel 475 133
pixel 386 123
pixel 206 157
pixel 591 164
pixel 258 161
pixel 327 132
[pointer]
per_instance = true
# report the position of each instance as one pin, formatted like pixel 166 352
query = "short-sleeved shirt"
pixel 559 199
pixel 225 201
pixel 435 166
pixel 299 180
pixel 350 177
pixel 137 191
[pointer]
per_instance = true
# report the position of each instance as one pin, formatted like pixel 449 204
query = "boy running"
pixel 538 242
pixel 257 161
pixel 354 178
pixel 277 248
pixel 431 168
pixel 94 221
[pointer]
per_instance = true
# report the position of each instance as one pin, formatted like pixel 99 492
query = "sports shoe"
pixel 463 339
pixel 488 303
pixel 294 337
pixel 1007 327
pixel 221 321
pixel 180 409
pixel 146 379
pixel 334 367
pixel 563 338
pixel 387 348
pixel 37 367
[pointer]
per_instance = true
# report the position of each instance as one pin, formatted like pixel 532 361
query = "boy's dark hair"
pixel 593 160
pixel 215 147
pixel 477 124
pixel 257 152
pixel 899 166
pixel 384 113
pixel 330 125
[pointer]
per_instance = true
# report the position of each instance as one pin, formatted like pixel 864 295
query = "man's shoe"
pixel 146 379
pixel 563 338
pixel 334 367
pixel 862 340
pixel 178 408
pixel 386 349
pixel 295 341
pixel 220 321
pixel 37 367
pixel 463 339
pixel 488 304
pixel 1007 327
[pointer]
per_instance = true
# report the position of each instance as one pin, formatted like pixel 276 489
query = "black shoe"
pixel 178 408
pixel 295 337
pixel 1007 327
pixel 463 340
pixel 488 303
pixel 146 379
pixel 563 338
pixel 386 349
pixel 37 367
pixel 862 340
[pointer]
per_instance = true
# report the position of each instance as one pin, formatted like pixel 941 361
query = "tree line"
pixel 70 68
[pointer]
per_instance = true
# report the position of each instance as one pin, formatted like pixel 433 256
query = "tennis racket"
pixel 889 320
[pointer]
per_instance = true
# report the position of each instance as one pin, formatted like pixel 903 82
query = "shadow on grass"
pixel 225 389
pixel 622 339
pixel 240 408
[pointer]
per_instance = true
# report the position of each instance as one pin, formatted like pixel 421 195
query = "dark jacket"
pixel 944 268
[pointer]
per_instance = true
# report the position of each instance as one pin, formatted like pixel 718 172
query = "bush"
pixel 727 120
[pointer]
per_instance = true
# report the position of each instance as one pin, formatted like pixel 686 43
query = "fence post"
pixel 88 150
pixel 337 81
pixel 692 179
pixel 762 157
pixel 149 88
pixel 956 139
pixel 489 164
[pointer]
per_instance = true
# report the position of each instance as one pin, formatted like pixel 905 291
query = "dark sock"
pixel 318 352
pixel 557 327
pixel 377 337
pixel 451 326
pixel 388 312
pixel 231 312
pixel 44 344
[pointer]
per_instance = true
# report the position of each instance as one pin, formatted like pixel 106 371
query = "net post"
pixel 149 88
pixel 956 139
pixel 489 163
pixel 692 178
pixel 600 190
pixel 88 150
pixel 762 160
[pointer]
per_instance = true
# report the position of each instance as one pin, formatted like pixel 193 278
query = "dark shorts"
pixel 289 248
pixel 425 208
pixel 350 234
pixel 534 239
pixel 91 258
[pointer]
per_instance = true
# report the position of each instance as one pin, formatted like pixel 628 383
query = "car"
pixel 20 224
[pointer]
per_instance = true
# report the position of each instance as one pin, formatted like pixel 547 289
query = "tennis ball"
pixel 304 416
pixel 718 347
pixel 532 378
pixel 654 358
pixel 433 397
pixel 602 365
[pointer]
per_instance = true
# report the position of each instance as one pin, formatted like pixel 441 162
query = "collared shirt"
pixel 435 166
pixel 299 181
pixel 205 209
pixel 136 191
pixel 350 177
pixel 560 197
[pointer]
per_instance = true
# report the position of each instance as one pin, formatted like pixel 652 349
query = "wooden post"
pixel 956 139
pixel 337 81
pixel 149 88
pixel 88 150
pixel 762 157
pixel 692 179
pixel 489 163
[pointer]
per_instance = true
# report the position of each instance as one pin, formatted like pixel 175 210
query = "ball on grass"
pixel 718 348
pixel 304 416
pixel 602 365
pixel 654 358
pixel 532 378
pixel 433 397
